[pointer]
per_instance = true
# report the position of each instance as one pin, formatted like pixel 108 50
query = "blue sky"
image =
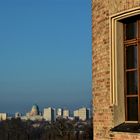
pixel 45 54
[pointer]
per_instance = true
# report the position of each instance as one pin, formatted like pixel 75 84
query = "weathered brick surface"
pixel 124 136
pixel 103 112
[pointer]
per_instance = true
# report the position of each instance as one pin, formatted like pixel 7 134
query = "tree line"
pixel 62 129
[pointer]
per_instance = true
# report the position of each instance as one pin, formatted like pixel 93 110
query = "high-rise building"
pixel 89 112
pixel 82 113
pixel 116 69
pixel 66 113
pixel 3 116
pixel 59 112
pixel 76 113
pixel 49 114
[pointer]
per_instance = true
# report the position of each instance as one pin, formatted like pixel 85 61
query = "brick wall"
pixel 124 136
pixel 103 112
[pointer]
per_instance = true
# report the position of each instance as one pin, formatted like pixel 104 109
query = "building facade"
pixel 115 69
pixel 66 113
pixel 17 115
pixel 76 113
pixel 82 113
pixel 59 112
pixel 49 114
pixel 3 116
pixel 34 110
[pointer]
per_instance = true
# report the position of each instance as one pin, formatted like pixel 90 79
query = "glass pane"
pixel 131 57
pixel 132 109
pixel 132 82
pixel 131 30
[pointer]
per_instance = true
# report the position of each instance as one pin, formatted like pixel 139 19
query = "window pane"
pixel 131 79
pixel 131 57
pixel 132 109
pixel 131 30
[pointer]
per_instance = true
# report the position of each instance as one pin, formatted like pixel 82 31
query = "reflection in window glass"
pixel 132 82
pixel 131 57
pixel 131 30
pixel 132 109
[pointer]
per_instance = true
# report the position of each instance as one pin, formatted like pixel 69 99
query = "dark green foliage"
pixel 62 129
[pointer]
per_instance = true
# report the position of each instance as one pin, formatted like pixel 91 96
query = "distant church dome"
pixel 34 110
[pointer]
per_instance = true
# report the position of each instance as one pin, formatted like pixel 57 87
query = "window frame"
pixel 116 89
pixel 127 43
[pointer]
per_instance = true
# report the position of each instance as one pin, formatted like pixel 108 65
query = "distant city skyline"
pixel 42 108
pixel 45 54
pixel 35 110
pixel 49 114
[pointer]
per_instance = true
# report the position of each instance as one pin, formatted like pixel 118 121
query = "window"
pixel 131 28
pixel 125 68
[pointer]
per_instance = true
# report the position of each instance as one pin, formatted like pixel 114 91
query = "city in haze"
pixel 45 54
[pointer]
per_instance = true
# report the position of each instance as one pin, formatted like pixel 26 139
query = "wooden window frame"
pixel 136 43
pixel 117 99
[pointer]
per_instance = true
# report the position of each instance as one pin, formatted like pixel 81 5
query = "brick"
pixel 103 112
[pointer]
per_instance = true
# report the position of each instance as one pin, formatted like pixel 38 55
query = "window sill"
pixel 127 127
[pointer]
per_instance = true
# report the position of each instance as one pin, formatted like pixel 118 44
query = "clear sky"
pixel 45 54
